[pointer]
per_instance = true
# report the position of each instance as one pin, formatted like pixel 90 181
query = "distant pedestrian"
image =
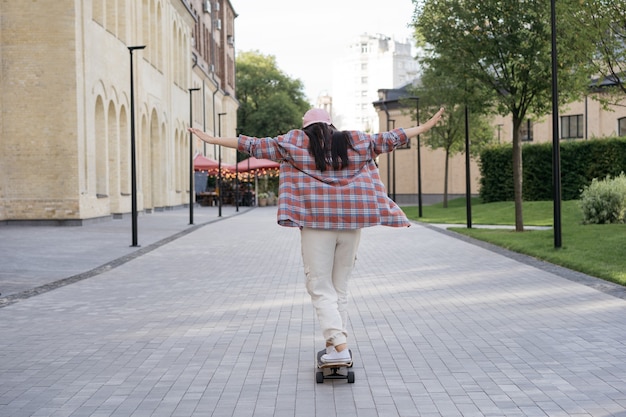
pixel 330 189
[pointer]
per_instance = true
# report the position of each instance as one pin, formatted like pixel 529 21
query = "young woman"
pixel 330 189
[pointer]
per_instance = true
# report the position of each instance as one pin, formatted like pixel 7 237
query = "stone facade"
pixel 65 113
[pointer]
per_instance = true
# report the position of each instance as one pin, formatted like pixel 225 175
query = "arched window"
pixel 108 175
pixel 124 153
pixel 100 150
pixel 91 157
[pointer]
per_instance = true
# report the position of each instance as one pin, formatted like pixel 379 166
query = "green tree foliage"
pixel 437 90
pixel 505 45
pixel 270 102
pixel 604 23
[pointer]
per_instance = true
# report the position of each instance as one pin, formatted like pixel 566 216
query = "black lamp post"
pixel 419 158
pixel 219 166
pixel 236 180
pixel 237 176
pixel 133 163
pixel 389 189
pixel 468 185
pixel 252 201
pixel 392 123
pixel 556 152
pixel 383 97
pixel 191 182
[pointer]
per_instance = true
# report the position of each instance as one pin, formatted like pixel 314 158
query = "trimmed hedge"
pixel 581 162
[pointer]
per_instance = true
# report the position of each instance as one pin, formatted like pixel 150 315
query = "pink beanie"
pixel 316 116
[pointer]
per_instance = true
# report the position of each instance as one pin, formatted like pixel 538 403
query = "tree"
pixel 437 90
pixel 270 103
pixel 505 46
pixel 605 29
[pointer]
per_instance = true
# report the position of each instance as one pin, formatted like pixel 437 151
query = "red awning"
pixel 253 163
pixel 202 163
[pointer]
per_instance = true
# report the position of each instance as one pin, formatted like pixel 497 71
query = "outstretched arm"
pixel 418 130
pixel 213 140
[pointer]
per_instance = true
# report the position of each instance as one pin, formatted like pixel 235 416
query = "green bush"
pixel 604 201
pixel 581 161
pixel 496 180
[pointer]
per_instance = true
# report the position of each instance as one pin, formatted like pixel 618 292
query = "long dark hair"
pixel 328 146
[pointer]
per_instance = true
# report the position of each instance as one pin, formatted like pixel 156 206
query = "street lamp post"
pixel 393 175
pixel 468 185
pixel 389 189
pixel 384 103
pixel 556 153
pixel 419 159
pixel 236 180
pixel 191 182
pixel 219 166
pixel 237 176
pixel 133 163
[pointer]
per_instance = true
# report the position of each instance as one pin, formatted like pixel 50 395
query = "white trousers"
pixel 329 257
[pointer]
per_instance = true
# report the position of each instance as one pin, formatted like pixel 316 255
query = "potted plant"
pixel 271 198
pixel 263 199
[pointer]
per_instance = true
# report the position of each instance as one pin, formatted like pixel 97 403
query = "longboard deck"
pixel 333 370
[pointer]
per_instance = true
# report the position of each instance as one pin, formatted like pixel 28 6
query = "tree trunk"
pixel 517 175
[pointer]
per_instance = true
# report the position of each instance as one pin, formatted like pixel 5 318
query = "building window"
pixel 526 131
pixel 572 127
pixel 364 48
pixel 621 126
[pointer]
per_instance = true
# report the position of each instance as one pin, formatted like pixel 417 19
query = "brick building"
pixel 65 112
pixel 581 120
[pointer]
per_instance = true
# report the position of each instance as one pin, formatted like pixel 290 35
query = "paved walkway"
pixel 216 322
pixel 36 259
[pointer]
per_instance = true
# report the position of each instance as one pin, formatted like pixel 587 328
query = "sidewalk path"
pixel 217 323
pixel 36 259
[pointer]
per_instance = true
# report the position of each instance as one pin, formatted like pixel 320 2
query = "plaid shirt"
pixel 348 198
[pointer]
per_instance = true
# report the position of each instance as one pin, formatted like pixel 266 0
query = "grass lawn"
pixel 597 250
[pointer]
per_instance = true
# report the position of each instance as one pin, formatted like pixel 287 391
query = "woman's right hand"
pixel 203 135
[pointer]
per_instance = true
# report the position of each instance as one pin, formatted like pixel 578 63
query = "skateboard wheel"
pixel 319 377
pixel 350 377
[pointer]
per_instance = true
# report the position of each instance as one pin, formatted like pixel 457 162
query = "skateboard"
pixel 333 370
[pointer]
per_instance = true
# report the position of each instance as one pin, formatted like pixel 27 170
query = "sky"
pixel 305 36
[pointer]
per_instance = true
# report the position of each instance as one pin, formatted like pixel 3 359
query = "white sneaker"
pixel 336 357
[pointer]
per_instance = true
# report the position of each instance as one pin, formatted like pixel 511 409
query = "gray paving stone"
pixel 217 323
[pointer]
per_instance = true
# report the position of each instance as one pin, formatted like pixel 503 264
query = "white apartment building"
pixel 370 62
